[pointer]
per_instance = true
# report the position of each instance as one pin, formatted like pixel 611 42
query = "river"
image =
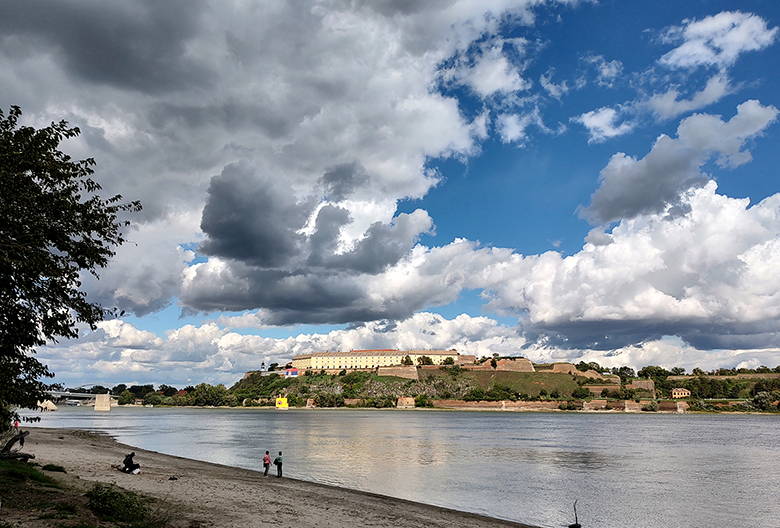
pixel 625 470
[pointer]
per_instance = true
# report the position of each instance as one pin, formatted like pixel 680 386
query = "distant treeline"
pixel 449 382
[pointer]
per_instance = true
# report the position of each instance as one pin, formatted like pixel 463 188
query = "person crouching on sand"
pixel 266 463
pixel 130 466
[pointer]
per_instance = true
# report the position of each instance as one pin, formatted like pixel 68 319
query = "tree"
pixel 624 372
pixel 126 398
pixel 448 361
pixel 168 390
pixel 53 227
pixel 407 360
pixel 424 360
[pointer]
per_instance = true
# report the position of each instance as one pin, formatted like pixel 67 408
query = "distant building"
pixel 680 393
pixel 366 359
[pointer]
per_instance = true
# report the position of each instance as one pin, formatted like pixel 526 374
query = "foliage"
pixel 448 361
pixel 140 391
pixel 763 400
pixel 168 390
pixel 380 402
pixel 497 392
pixel 153 398
pixel 114 504
pixel 580 393
pixel 651 406
pixel 424 360
pixel 423 401
pixel 206 395
pixel 329 400
pixel 452 370
pixel 18 471
pixel 53 227
pixel 258 386
pixel 584 367
pixel 407 361
pixel 657 374
pixel 356 376
pixel 126 398
pixel 625 373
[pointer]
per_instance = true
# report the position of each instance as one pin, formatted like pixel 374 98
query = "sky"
pixel 560 180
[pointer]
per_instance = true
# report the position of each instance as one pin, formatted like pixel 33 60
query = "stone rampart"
pixel 405 403
pixel 565 368
pixel 406 372
pixel 594 405
pixel 597 389
pixel 503 405
pixel 506 365
pixel 673 406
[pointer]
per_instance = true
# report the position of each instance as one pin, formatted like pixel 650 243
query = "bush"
pixel 329 400
pixel 113 504
pixel 153 398
pixel 126 398
pixel 580 393
pixel 651 406
pixel 121 506
pixel 422 401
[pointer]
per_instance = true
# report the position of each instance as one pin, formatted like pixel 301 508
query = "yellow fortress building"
pixel 366 359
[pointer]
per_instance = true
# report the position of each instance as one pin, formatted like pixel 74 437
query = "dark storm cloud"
pixel 341 181
pixel 257 220
pixel 252 219
pixel 138 45
pixel 289 297
pixel 231 115
pixel 383 246
pixel 299 273
pixel 703 334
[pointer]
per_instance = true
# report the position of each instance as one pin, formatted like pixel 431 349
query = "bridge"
pixel 77 397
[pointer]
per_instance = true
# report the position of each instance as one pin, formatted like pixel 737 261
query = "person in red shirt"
pixel 266 463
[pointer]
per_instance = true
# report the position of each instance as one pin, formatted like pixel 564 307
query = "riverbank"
pixel 203 494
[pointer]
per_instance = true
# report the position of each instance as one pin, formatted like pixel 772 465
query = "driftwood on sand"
pixel 6 452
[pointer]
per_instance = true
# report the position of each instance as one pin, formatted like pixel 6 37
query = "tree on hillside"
pixel 53 226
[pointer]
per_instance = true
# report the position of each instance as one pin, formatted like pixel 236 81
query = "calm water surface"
pixel 644 471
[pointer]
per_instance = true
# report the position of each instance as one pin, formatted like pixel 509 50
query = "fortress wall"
pixel 594 405
pixel 506 405
pixel 405 403
pixel 407 372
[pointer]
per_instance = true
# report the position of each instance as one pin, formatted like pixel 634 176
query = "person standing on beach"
pixel 266 463
pixel 278 464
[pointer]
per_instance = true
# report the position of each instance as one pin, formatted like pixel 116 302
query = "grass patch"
pixel 18 471
pixel 54 467
pixel 117 505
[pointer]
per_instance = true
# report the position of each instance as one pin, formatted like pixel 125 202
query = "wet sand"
pixel 203 494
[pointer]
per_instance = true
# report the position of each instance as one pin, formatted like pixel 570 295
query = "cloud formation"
pixel 287 155
pixel 630 187
pixel 717 40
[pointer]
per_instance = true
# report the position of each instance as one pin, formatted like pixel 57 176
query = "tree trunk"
pixel 6 453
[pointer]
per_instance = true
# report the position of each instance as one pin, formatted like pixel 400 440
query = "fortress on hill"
pixel 374 358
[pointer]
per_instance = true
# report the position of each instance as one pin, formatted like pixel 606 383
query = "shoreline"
pixel 207 494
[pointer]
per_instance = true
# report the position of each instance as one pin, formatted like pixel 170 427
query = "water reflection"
pixel 625 470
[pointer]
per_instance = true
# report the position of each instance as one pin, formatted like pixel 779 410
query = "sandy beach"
pixel 202 494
